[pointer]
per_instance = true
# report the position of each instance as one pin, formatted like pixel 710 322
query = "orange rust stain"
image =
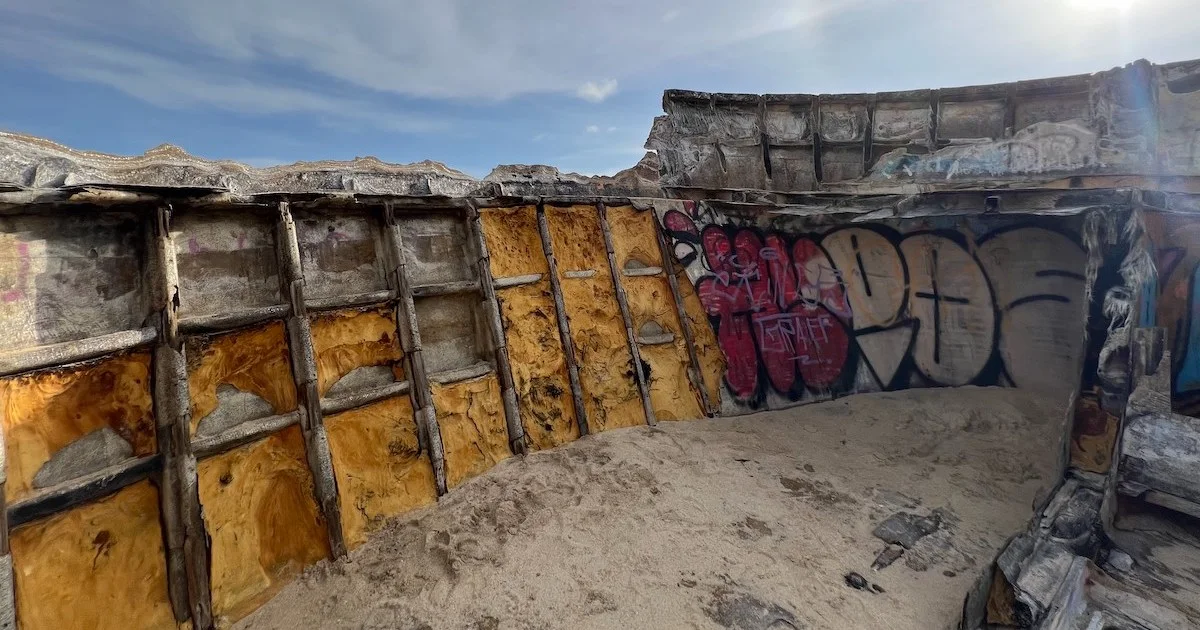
pixel 610 393
pixel 262 520
pixel 633 236
pixel 471 417
pixel 708 353
pixel 539 366
pixel 99 565
pixel 345 340
pixel 1093 437
pixel 577 239
pixel 513 241
pixel 45 411
pixel 254 360
pixel 381 471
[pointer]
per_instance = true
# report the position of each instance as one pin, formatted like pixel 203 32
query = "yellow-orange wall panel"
pixel 474 435
pixel 610 394
pixel 97 566
pixel 513 241
pixel 633 236
pixel 45 411
pixel 539 367
pixel 576 237
pixel 708 353
pixel 262 520
pixel 345 340
pixel 254 360
pixel 380 470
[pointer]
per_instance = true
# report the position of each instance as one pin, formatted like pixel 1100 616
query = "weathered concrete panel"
pixel 902 122
pixel 69 277
pixel 435 248
pixel 971 120
pixel 262 521
pixel 451 331
pixel 1137 120
pixel 45 412
pixel 471 417
pixel 1178 92
pixel 340 253
pixel 843 122
pixel 227 262
pixel 100 565
pixel 381 470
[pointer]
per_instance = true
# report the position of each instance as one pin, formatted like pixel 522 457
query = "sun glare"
pixel 1121 6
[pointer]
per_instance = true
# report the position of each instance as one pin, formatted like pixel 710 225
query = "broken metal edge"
pixel 516 281
pixel 244 433
pixel 90 487
pixel 461 374
pixel 59 354
pixel 363 398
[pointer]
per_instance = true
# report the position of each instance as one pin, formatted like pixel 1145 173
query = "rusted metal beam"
pixel 564 327
pixel 424 414
pixel 187 540
pixel 512 412
pixel 304 371
pixel 685 324
pixel 639 373
pixel 17 361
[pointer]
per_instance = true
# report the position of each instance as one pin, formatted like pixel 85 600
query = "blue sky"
pixel 478 83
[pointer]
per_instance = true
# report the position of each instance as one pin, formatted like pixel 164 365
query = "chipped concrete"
pixel 362 378
pixel 95 451
pixel 234 407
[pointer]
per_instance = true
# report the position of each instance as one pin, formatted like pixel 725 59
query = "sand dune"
pixel 748 523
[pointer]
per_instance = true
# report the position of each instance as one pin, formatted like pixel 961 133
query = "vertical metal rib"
pixel 623 304
pixel 424 413
pixel 304 370
pixel 564 327
pixel 187 541
pixel 512 413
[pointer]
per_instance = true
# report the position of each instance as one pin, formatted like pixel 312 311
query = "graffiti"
pixel 817 314
pixel 1178 302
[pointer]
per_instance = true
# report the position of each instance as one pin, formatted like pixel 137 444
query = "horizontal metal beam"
pixel 244 433
pixel 363 398
pixel 17 361
pixel 90 487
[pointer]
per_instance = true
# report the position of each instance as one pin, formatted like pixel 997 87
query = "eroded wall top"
pixel 1141 120
pixel 28 162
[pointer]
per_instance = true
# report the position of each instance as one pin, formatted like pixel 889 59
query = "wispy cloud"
pixel 174 85
pixel 414 48
pixel 596 92
pixel 592 129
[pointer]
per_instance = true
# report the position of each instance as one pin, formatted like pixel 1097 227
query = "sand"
pixel 749 523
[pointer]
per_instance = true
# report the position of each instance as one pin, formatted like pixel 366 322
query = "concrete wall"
pixel 806 310
pixel 333 366
pixel 268 383
pixel 1140 120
